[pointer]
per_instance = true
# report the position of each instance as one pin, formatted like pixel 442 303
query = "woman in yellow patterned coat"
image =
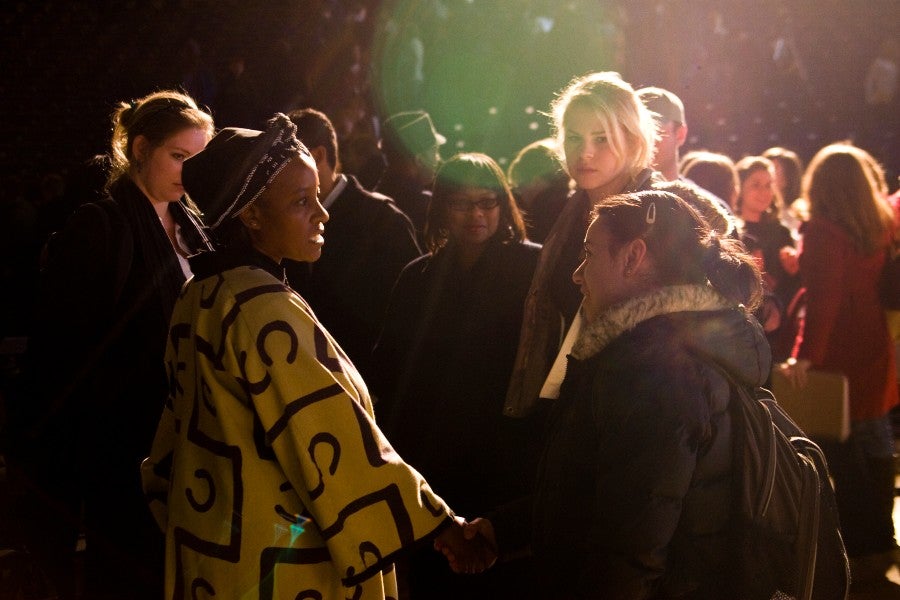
pixel 268 472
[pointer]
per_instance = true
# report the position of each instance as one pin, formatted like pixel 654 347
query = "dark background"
pixel 65 64
pixel 751 74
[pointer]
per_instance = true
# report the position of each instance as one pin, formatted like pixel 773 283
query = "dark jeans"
pixel 863 472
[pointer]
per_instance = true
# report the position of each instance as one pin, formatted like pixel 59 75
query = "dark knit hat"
pixel 237 166
pixel 664 105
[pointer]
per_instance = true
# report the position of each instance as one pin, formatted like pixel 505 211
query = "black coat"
pixel 95 367
pixel 633 494
pixel 442 367
pixel 443 363
pixel 368 241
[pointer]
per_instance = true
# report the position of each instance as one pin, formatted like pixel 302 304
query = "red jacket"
pixel 845 329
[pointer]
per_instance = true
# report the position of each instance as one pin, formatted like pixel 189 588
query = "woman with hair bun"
pixel 634 489
pixel 96 358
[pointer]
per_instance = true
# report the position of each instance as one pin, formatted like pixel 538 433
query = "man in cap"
pixel 668 110
pixel 411 148
pixel 369 241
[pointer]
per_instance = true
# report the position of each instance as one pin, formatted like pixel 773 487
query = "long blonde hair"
pixel 846 185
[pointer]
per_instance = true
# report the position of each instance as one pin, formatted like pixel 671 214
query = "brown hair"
pixel 845 184
pixel 683 247
pixel 791 168
pixel 746 167
pixel 157 117
pixel 712 171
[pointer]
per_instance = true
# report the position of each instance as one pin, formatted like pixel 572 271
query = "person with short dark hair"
pixel 367 234
pixel 540 185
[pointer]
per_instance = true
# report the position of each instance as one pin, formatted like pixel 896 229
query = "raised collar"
pixel 207 264
pixel 339 185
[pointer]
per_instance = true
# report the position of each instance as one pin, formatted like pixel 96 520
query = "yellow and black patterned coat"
pixel 268 473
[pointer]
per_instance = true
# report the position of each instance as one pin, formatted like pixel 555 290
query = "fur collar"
pixel 626 316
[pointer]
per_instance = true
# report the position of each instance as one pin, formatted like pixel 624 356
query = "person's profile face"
pixel 665 157
pixel 159 172
pixel 288 220
pixel 600 274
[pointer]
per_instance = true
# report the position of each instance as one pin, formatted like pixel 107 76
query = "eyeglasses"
pixel 465 205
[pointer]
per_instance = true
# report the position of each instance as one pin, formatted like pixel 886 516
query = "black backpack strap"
pixel 777 435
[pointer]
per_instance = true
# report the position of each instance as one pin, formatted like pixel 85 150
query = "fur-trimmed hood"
pixel 624 317
pixel 729 336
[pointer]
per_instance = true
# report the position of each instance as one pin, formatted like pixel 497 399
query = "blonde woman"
pixel 606 136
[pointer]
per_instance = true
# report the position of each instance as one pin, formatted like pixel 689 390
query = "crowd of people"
pixel 293 347
pixel 309 383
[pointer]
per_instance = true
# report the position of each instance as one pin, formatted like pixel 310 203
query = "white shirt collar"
pixel 339 186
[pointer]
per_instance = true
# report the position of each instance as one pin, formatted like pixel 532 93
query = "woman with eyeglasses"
pixel 444 359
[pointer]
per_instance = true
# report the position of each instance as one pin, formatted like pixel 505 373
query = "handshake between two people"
pixel 469 547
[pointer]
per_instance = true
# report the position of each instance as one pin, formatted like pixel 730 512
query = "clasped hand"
pixel 468 547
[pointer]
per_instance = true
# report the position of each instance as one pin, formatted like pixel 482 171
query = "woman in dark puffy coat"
pixel 633 493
